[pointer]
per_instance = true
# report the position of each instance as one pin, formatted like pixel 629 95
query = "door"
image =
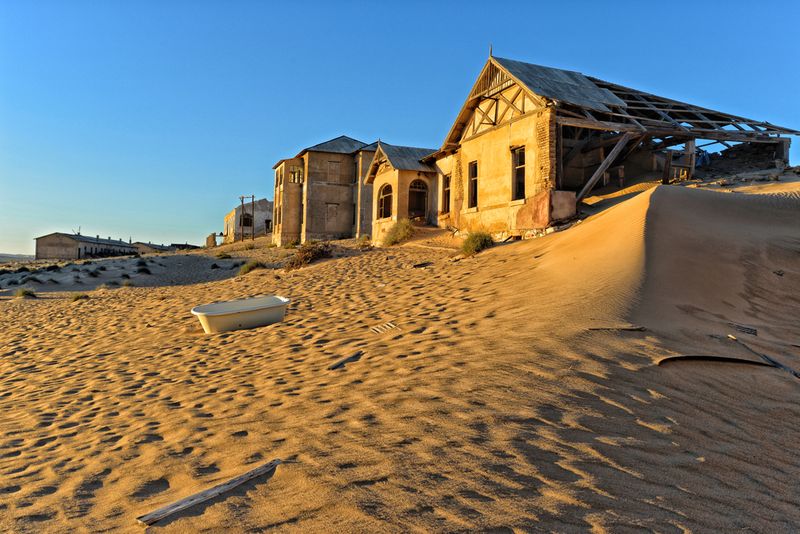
pixel 417 199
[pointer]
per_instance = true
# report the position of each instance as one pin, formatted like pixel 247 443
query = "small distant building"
pixel 184 246
pixel 61 246
pixel 252 219
pixel 149 248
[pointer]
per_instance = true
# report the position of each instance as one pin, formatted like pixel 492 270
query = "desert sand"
pixel 519 390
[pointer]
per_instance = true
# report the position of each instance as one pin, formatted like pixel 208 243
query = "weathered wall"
pixel 56 247
pixel 328 198
pixel 287 207
pixel 363 194
pixel 496 212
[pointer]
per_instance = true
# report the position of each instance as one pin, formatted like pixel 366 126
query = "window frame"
pixel 446 184
pixel 472 184
pixel 382 198
pixel 517 182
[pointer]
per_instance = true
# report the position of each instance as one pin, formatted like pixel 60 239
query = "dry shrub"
pixel 401 231
pixel 475 242
pixel 25 293
pixel 308 253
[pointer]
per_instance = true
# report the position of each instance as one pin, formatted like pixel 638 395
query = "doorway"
pixel 417 199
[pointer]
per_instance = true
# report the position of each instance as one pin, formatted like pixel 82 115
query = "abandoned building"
pixel 320 193
pixel 61 246
pixel 150 248
pixel 531 142
pixel 248 220
pixel 404 187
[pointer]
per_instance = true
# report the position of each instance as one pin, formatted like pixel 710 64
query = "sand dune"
pixel 505 392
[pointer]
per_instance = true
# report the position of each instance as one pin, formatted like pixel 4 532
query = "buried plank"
pixel 350 359
pixel 383 328
pixel 714 359
pixel 623 328
pixel 205 495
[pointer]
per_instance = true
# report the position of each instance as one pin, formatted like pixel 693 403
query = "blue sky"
pixel 149 118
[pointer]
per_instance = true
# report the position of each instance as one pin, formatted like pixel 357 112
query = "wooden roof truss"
pixel 669 120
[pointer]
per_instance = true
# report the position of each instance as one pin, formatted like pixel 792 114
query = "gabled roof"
pixel 337 145
pixel 402 158
pixel 562 85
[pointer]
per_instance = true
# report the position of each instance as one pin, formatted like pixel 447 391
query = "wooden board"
pixel 205 495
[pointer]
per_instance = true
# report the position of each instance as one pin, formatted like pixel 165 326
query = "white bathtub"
pixel 241 313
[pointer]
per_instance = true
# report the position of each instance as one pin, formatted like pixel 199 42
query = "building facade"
pixel 61 246
pixel 317 192
pixel 531 142
pixel 252 219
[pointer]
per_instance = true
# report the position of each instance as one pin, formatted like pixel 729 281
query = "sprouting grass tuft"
pixel 251 265
pixel 79 296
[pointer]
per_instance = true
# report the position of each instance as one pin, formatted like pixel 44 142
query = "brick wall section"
pixel 545 134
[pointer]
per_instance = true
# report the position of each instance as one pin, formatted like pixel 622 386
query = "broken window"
pixel 446 193
pixel 246 219
pixel 385 202
pixel 472 199
pixel 518 173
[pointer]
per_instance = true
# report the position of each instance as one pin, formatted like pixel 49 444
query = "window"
pixel 472 200
pixel 333 172
pixel 296 174
pixel 385 202
pixel 246 219
pixel 446 193
pixel 518 173
pixel 278 216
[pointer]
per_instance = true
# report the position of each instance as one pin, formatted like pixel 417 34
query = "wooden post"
pixel 690 156
pixel 667 167
pixel 241 219
pixel 603 166
pixel 253 219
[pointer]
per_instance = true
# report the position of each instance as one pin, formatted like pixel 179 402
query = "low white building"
pixel 61 246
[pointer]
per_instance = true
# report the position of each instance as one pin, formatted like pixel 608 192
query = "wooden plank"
pixel 604 165
pixel 597 125
pixel 205 495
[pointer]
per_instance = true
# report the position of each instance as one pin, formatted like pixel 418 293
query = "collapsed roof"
pixel 586 102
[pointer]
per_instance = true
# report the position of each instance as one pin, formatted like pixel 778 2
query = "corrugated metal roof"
pixel 92 240
pixel 338 145
pixel 563 85
pixel 407 158
pixel 370 147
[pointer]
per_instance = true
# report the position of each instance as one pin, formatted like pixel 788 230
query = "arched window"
pixel 385 202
